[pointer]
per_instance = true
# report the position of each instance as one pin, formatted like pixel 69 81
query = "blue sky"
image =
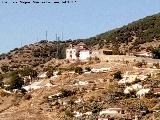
pixel 20 23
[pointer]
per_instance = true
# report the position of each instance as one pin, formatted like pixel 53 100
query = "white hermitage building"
pixel 77 52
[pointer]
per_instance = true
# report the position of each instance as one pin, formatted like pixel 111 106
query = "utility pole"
pixel 37 38
pixel 62 36
pixel 46 35
pixel 56 37
pixel 21 43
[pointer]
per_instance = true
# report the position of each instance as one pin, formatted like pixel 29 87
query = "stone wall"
pixel 126 58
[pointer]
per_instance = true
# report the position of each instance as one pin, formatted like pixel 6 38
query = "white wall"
pixel 71 52
pixel 83 55
pixel 74 54
pixel 67 53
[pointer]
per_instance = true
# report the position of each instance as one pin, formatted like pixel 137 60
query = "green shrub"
pixel 49 68
pixel 49 73
pixel 66 93
pixel 111 98
pixel 97 59
pixel 15 82
pixel 117 75
pixel 78 70
pixel 69 113
pixel 156 65
pixel 95 107
pixel 33 73
pixel 139 64
pixel 27 97
pixel 142 107
pixel 71 68
pixel 156 53
pixel 88 68
pixel 5 68
pixel 23 91
pixel 59 73
pixel 150 95
pixel 28 72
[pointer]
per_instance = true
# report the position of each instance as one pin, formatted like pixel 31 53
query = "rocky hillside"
pixel 132 36
pixel 138 35
pixel 33 55
pixel 84 90
pixel 87 95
